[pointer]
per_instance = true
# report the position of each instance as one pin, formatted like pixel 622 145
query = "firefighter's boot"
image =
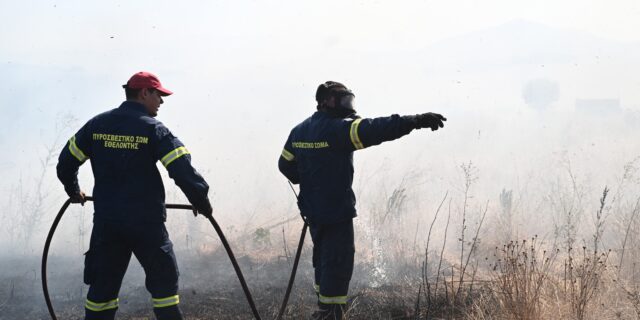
pixel 329 312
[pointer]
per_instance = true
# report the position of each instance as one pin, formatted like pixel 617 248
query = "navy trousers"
pixel 333 252
pixel 107 260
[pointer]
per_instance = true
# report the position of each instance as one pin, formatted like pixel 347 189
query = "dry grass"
pixel 518 278
pixel 486 274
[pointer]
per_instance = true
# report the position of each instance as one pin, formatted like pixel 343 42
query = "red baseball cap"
pixel 145 79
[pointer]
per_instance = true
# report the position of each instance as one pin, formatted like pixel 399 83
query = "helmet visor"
pixel 346 102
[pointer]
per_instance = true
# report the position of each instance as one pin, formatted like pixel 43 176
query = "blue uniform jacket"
pixel 319 156
pixel 123 146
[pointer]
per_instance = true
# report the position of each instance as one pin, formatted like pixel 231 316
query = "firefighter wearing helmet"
pixel 318 155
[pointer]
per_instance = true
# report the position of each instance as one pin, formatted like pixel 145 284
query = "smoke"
pixel 519 143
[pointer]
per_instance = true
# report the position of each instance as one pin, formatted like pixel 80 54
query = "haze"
pixel 532 90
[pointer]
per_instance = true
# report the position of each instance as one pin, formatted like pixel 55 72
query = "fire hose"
pixel 213 222
pixel 292 278
pixel 223 239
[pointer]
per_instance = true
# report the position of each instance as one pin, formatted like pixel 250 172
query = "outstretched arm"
pixel 362 133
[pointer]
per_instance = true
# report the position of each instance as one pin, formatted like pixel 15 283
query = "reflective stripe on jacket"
pixel 123 146
pixel 319 156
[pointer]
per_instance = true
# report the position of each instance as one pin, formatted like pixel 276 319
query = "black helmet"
pixel 330 88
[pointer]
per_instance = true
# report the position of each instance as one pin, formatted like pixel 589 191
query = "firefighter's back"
pixel 128 186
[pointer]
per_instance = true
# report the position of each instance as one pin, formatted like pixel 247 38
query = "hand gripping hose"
pixel 292 278
pixel 213 222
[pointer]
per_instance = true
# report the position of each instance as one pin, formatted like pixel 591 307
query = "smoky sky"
pixel 506 75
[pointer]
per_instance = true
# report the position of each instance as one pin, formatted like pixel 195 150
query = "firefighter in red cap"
pixel 123 146
pixel 319 156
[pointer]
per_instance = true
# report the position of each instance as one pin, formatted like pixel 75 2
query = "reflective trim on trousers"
pixel 166 302
pixel 101 306
pixel 333 300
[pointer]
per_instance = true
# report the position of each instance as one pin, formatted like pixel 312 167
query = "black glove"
pixel 78 197
pixel 204 209
pixel 429 120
